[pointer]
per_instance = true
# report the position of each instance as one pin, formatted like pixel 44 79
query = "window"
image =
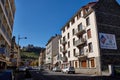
pixel 84 64
pixel 68 53
pixel 70 63
pixel 81 51
pixel 92 63
pixel 68 26
pixel 74 52
pixel 73 31
pixel 89 33
pixel 72 21
pixel 63 30
pixel 64 38
pixel 76 64
pixel 68 35
pixel 78 15
pixel 73 41
pixel 87 10
pixel 90 46
pixel 80 27
pixel 87 21
pixel 68 44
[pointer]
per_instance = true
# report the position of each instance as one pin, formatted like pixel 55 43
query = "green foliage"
pixel 29 55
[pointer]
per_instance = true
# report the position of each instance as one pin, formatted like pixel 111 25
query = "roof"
pixel 89 4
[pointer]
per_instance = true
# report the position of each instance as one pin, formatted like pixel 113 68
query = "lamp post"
pixel 18 57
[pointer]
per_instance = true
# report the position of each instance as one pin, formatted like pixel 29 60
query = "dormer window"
pixel 63 30
pixel 68 26
pixel 87 10
pixel 78 15
pixel 87 21
pixel 72 21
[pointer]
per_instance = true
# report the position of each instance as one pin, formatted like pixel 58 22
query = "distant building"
pixel 90 39
pixel 42 57
pixel 14 52
pixel 52 50
pixel 7 12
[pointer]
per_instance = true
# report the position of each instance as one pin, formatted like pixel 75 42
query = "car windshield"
pixel 72 68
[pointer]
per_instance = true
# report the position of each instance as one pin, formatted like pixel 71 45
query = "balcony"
pixel 63 42
pixel 64 51
pixel 64 59
pixel 80 42
pixel 5 33
pixel 79 32
pixel 81 55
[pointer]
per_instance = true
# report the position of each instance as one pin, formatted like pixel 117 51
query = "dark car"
pixel 7 74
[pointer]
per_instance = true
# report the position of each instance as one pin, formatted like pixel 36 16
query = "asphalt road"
pixel 48 75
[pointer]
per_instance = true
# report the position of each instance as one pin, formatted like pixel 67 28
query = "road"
pixel 48 75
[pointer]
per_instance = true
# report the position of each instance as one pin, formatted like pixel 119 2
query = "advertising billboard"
pixel 107 41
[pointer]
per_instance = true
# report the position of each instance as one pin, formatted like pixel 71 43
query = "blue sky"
pixel 38 20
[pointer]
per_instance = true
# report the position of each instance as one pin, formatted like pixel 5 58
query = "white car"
pixel 22 68
pixel 68 70
pixel 56 69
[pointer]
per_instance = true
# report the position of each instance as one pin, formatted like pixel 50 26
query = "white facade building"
pixel 90 39
pixel 79 42
pixel 52 50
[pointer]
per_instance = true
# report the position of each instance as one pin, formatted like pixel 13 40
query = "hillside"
pixel 29 55
pixel 30 52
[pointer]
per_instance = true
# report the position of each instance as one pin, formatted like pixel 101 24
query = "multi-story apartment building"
pixel 52 49
pixel 7 11
pixel 90 39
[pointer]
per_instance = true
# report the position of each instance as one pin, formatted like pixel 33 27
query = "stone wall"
pixel 108 21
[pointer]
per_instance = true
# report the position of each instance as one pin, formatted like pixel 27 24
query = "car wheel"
pixel 67 72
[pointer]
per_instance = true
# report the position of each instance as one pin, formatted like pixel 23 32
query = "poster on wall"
pixel 107 41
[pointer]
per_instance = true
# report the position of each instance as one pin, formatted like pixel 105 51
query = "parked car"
pixel 29 68
pixel 41 68
pixel 56 69
pixel 22 68
pixel 6 75
pixel 68 70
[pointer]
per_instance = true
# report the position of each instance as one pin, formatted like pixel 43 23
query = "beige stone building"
pixel 52 50
pixel 7 12
pixel 42 57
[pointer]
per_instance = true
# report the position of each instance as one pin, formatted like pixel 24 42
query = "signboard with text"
pixel 107 41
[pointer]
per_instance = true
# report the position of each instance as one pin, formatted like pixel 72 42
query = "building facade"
pixel 42 57
pixel 52 50
pixel 7 12
pixel 90 39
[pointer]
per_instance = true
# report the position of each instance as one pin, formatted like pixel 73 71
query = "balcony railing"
pixel 64 50
pixel 80 31
pixel 63 42
pixel 64 59
pixel 80 42
pixel 5 33
pixel 80 55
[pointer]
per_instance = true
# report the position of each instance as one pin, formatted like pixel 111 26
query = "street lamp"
pixel 18 58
